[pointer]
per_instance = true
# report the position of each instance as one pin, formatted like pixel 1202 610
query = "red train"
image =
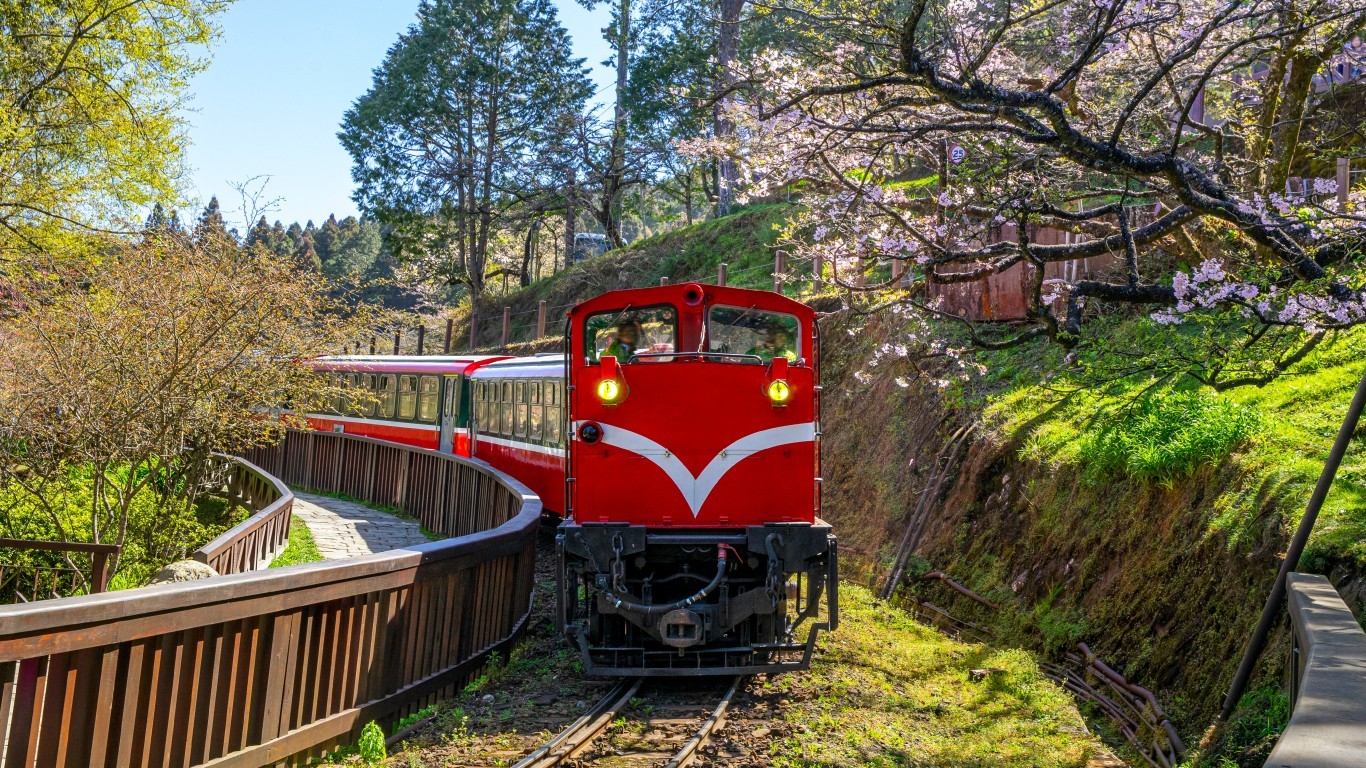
pixel 679 439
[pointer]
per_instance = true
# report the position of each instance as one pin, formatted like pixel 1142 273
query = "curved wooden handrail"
pixel 265 667
pixel 252 543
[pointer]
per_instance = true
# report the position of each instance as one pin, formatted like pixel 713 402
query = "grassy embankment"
pixel 1144 520
pixel 158 529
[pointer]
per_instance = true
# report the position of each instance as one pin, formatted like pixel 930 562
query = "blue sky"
pixel 281 76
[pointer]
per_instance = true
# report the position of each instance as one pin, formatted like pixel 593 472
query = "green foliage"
pixel 886 690
pixel 301 547
pixel 91 126
pixel 159 531
pixel 1167 435
pixel 434 150
pixel 1261 716
pixel 371 746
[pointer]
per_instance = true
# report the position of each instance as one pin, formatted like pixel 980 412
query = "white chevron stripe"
pixel 695 490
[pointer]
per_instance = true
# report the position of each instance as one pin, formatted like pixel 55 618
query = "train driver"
pixel 774 345
pixel 626 341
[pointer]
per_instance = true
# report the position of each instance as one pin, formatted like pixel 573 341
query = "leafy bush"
pixel 1168 435
pixel 371 746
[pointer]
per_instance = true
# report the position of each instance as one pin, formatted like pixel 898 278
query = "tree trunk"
pixel 570 214
pixel 1271 101
pixel 727 49
pixel 528 246
pixel 616 172
pixel 687 197
pixel 1302 69
pixel 478 259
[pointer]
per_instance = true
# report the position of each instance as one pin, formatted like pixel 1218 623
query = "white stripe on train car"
pixel 549 451
pixel 379 422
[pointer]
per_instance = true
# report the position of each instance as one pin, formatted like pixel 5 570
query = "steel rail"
pixel 573 739
pixel 688 753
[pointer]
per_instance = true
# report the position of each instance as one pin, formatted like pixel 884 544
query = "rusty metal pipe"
pixel 944 577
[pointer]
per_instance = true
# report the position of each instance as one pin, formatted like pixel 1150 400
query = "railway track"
pixel 656 724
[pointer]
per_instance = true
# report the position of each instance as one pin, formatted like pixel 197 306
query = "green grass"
pixel 1169 435
pixel 301 547
pixel 886 690
pixel 1278 435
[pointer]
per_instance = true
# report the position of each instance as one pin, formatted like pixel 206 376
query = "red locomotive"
pixel 692 542
pixel 679 437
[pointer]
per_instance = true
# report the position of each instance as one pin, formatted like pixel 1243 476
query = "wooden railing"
pixel 276 666
pixel 252 543
pixel 28 582
pixel 1327 673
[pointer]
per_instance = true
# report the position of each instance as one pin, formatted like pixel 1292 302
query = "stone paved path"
pixel 347 529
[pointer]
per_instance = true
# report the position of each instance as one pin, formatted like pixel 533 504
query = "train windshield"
pixel 632 334
pixel 748 333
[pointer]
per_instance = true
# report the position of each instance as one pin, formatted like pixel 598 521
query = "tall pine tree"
pixel 442 140
pixel 211 228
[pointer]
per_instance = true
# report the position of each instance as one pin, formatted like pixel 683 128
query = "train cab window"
pixel 386 396
pixel 647 334
pixel 743 334
pixel 407 397
pixel 505 409
pixel 428 389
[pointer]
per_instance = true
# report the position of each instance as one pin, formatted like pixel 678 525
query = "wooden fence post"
pixel 777 271
pixel 372 345
pixel 817 270
pixel 398 337
pixel 540 320
pixel 1344 179
pixel 422 339
pixel 663 281
pixel 507 324
pixel 99 571
pixel 861 279
pixel 446 344
pixel 721 274
pixel 898 269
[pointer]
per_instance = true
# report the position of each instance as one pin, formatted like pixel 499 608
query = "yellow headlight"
pixel 608 390
pixel 778 391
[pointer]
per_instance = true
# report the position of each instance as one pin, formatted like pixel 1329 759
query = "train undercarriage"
pixel 651 602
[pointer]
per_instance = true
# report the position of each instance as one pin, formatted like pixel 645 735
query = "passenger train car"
pixel 679 439
pixel 419 401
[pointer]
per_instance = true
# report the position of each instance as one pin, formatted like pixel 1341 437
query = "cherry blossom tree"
pixel 1161 132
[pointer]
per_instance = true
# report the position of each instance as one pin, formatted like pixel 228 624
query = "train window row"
pixel 401 397
pixel 526 410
